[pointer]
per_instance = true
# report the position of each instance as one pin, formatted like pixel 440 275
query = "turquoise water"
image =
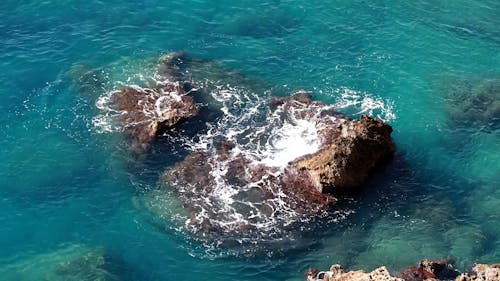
pixel 65 182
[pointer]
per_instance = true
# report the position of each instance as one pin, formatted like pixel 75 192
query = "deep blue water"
pixel 430 68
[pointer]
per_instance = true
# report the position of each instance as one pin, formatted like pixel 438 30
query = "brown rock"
pixel 337 273
pixel 429 269
pixel 146 112
pixel 482 272
pixel 349 156
pixel 348 152
pixel 260 186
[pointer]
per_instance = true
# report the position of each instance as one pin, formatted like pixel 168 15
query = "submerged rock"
pixel 146 112
pixel 204 75
pixel 473 102
pixel 174 65
pixel 71 263
pixel 86 79
pixel 337 273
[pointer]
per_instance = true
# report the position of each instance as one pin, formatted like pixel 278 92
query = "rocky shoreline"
pixel 427 270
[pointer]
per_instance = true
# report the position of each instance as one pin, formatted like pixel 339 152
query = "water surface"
pixel 430 68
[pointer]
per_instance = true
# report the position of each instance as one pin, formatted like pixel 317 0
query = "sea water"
pixel 69 184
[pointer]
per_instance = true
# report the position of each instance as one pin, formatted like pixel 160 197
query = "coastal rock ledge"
pixel 427 270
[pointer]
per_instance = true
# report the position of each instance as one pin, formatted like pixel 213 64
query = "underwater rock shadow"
pixel 472 102
pixel 260 23
pixel 74 262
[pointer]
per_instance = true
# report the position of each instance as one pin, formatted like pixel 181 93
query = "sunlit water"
pixel 68 183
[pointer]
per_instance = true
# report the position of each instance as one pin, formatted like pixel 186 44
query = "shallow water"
pixel 66 181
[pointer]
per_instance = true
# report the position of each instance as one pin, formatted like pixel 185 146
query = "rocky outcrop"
pixel 349 150
pixel 337 273
pixel 348 153
pixel 146 112
pixel 430 270
pixel 482 272
pixel 427 270
pixel 228 182
pixel 182 94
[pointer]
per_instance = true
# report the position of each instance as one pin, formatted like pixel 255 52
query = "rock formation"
pixel 427 270
pixel 226 183
pixel 146 112
pixel 337 273
pixel 348 155
pixel 482 272
pixel 348 152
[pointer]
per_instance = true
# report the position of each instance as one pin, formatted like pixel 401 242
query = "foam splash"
pixel 358 102
pixel 106 122
pixel 290 141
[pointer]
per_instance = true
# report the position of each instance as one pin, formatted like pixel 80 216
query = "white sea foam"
pixel 290 142
pixel 106 122
pixel 363 103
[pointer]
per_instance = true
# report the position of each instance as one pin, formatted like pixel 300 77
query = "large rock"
pixel 337 273
pixel 349 150
pixel 254 191
pixel 227 187
pixel 348 155
pixel 146 112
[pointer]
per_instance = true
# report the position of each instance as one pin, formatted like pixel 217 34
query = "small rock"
pixel 428 269
pixel 146 112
